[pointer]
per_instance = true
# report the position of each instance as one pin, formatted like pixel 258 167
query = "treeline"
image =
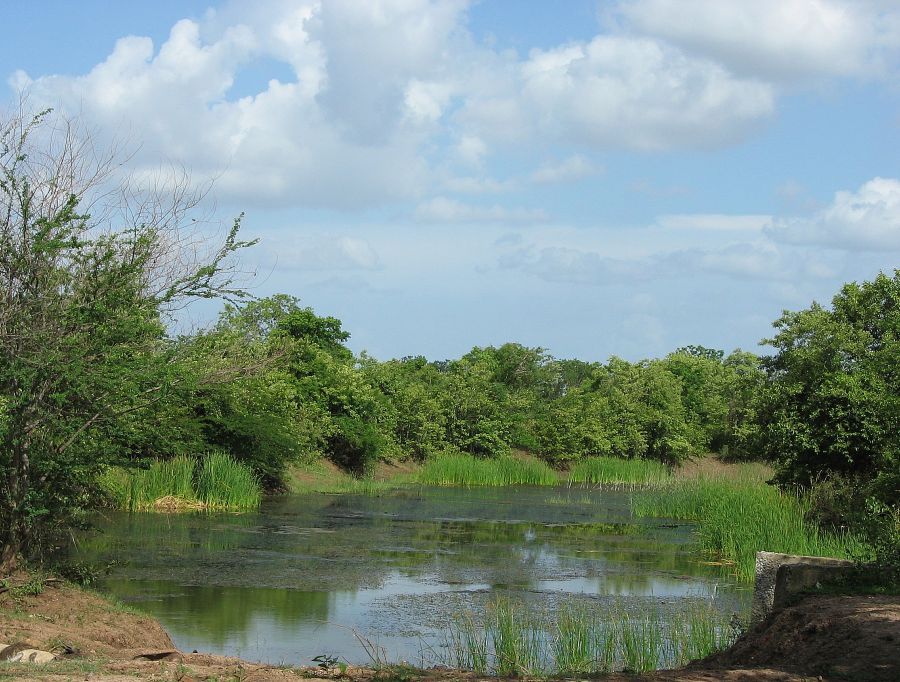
pixel 824 404
pixel 295 392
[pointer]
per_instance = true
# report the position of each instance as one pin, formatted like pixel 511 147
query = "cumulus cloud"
pixel 620 92
pixel 868 219
pixel 387 94
pixel 780 40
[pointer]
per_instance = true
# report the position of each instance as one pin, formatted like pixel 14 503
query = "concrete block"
pixel 781 576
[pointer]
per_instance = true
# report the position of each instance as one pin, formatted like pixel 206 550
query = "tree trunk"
pixel 9 555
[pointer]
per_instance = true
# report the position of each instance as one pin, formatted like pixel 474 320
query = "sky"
pixel 594 178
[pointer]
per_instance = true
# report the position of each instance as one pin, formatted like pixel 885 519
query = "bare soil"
pixel 821 638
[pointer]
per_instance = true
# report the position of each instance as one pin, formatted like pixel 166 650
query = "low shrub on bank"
pixel 220 482
pixel 738 518
pixel 617 471
pixel 466 470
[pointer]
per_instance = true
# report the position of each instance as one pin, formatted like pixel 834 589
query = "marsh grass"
pixel 178 484
pixel 737 517
pixel 466 470
pixel 616 471
pixel 513 639
pixel 225 483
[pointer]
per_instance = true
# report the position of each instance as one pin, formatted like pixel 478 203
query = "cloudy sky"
pixel 597 178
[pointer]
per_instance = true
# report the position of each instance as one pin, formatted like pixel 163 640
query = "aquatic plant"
pixel 617 471
pixel 738 517
pixel 177 484
pixel 513 639
pixel 225 483
pixel 466 470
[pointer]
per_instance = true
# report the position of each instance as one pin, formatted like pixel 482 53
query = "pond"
pixel 326 574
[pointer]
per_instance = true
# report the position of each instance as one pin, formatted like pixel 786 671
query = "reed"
pixel 163 479
pixel 513 639
pixel 466 470
pixel 617 471
pixel 225 483
pixel 738 518
pixel 178 484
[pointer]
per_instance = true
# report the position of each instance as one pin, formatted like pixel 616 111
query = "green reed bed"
pixel 513 639
pixel 738 518
pixel 225 483
pixel 466 470
pixel 617 471
pixel 219 482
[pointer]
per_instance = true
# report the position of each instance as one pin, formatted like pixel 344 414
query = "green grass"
pixel 466 470
pixel 219 482
pixel 738 518
pixel 512 639
pixel 616 471
pixel 225 483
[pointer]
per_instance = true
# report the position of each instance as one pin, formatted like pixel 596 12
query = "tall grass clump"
pixel 738 518
pixel 167 479
pixel 466 470
pixel 617 471
pixel 513 639
pixel 225 483
pixel 219 482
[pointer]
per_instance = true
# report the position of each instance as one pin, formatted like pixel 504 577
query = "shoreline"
pixel 833 637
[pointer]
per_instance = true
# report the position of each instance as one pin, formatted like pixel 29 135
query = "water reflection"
pixel 294 580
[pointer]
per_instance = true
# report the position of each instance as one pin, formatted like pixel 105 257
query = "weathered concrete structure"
pixel 781 576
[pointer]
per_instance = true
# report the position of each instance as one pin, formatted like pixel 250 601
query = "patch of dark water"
pixel 299 577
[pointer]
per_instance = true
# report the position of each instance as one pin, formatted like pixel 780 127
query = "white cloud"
pixel 777 39
pixel 713 221
pixel 868 219
pixel 318 252
pixel 443 210
pixel 389 99
pixel 620 92
pixel 573 168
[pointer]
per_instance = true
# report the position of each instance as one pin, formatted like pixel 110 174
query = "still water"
pixel 308 573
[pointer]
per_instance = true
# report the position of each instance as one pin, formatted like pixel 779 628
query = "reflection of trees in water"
pixel 223 614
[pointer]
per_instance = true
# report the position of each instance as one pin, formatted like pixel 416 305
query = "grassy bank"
pixel 741 515
pixel 182 483
pixel 616 471
pixel 513 640
pixel 466 470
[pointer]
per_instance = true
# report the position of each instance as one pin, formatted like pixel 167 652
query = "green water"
pixel 301 576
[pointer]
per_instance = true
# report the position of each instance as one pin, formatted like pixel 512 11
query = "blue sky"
pixel 596 178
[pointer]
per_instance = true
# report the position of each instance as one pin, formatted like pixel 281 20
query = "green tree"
pixel 832 403
pixel 82 334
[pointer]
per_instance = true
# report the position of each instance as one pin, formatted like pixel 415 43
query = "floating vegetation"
pixel 466 470
pixel 512 639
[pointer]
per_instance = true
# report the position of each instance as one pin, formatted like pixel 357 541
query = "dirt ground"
pixel 822 638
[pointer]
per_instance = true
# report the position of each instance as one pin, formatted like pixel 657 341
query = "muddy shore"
pixel 820 638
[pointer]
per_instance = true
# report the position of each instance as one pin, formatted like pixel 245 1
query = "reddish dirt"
pixel 837 637
pixel 822 638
